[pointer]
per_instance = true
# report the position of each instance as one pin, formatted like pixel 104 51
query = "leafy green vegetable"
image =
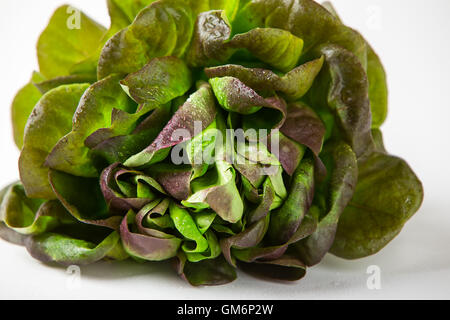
pixel 95 111
pixel 146 246
pixel 65 250
pixel 21 108
pixel 50 120
pixel 293 85
pixel 372 219
pixel 69 39
pixel 343 175
pixel 219 134
pixel 31 216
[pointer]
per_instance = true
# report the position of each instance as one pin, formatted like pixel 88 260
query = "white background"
pixel 412 38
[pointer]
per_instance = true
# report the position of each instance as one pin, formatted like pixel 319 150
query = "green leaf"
pixel 329 6
pixel 200 107
pixel 159 82
pixel 162 29
pixel 285 268
pixel 297 17
pixel 154 86
pixel 212 252
pixel 251 237
pixel 64 44
pixel 258 113
pixel 21 108
pixel 285 221
pixel 211 31
pixel 343 175
pixel 290 152
pixel 175 179
pixel 217 190
pixel 67 250
pixel 304 126
pixel 195 242
pixel 11 236
pixel 348 97
pixel 276 47
pixel 388 193
pixel 378 91
pixel 94 112
pixel 207 272
pixel 293 85
pixel 45 86
pixel 6 233
pixel 31 216
pixel 123 12
pixel 211 45
pixel 146 246
pixel 263 252
pixel 120 148
pixel 125 189
pixel 50 120
pixel 83 198
pixel 230 7
pixel 276 262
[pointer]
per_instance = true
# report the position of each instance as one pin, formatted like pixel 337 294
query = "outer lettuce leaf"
pixel 83 198
pixel 297 16
pixel 120 148
pixel 162 29
pixel 154 86
pixel 388 193
pixel 339 188
pixel 94 111
pixel 6 233
pixel 378 91
pixel 61 48
pixel 21 108
pixel 67 250
pixel 31 216
pixel 123 12
pixel 249 238
pixel 285 268
pixel 50 120
pixel 348 97
pixel 205 273
pixel 45 85
pixel 159 82
pixel 276 262
pixel 11 236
